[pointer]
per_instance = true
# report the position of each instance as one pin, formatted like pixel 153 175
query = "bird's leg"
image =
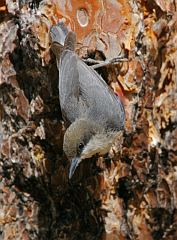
pixel 98 63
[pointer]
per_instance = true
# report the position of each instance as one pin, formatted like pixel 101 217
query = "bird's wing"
pixel 104 104
pixel 82 90
pixel 69 85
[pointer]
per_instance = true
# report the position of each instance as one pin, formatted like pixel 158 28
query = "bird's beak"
pixel 74 163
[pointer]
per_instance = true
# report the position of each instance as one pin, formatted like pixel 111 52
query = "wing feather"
pixel 83 91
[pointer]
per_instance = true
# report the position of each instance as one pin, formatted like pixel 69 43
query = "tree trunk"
pixel 131 194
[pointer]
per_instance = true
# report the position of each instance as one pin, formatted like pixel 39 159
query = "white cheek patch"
pixel 98 144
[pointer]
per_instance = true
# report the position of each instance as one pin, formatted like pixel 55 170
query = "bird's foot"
pixel 99 63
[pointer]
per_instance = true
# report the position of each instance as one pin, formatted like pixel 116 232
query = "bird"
pixel 92 112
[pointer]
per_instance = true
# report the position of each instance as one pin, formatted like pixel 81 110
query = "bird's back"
pixel 83 93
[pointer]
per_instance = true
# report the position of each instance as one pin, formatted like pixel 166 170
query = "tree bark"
pixel 132 193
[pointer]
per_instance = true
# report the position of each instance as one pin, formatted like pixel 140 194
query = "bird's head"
pixel 83 139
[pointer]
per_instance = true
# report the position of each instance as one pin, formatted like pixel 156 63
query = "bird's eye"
pixel 81 146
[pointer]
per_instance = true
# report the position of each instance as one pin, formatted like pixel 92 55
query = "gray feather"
pixel 58 33
pixel 83 92
pixel 95 114
pixel 70 41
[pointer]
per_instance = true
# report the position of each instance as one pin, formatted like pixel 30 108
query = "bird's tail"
pixel 70 41
pixel 62 39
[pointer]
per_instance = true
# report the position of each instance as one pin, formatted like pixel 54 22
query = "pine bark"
pixel 131 194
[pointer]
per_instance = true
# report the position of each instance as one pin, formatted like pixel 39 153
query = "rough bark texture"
pixel 132 195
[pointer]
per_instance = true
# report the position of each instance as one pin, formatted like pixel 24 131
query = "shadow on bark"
pixel 65 209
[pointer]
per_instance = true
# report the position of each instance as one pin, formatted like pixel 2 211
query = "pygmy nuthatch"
pixel 89 107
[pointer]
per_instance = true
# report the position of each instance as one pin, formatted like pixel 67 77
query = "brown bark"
pixel 132 194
